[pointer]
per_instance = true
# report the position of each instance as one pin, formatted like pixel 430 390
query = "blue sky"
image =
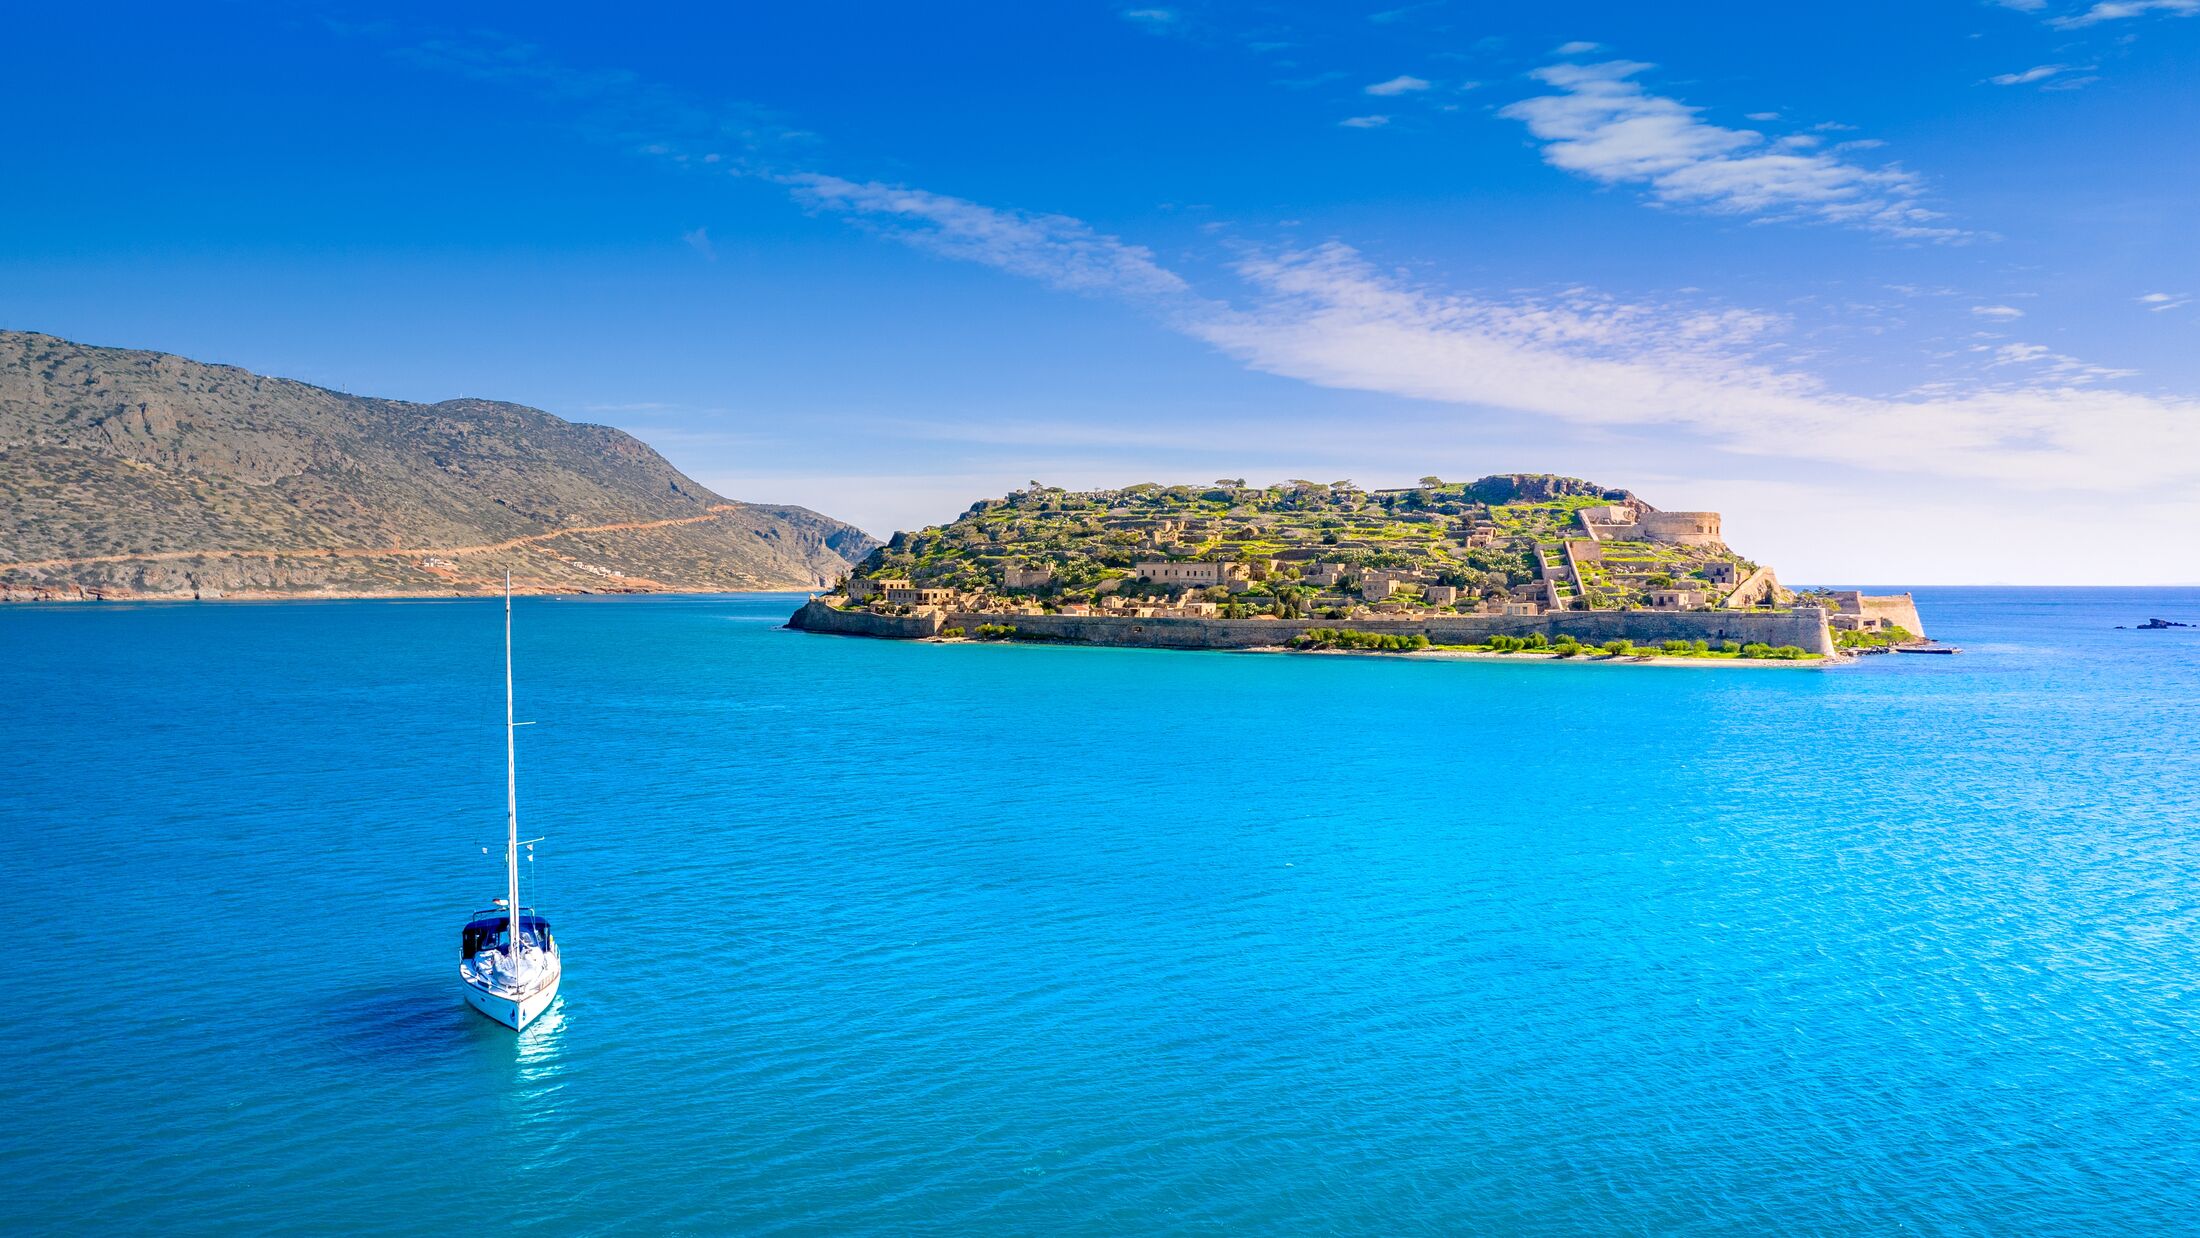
pixel 1910 291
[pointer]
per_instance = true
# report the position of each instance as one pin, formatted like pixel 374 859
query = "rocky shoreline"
pixel 1535 657
pixel 1805 627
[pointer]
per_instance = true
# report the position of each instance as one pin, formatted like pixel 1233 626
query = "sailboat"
pixel 510 961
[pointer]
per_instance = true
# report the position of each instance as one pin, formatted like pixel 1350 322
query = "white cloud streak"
pixel 1602 124
pixel 1152 18
pixel 2117 10
pixel 1327 317
pixel 1054 249
pixel 1399 85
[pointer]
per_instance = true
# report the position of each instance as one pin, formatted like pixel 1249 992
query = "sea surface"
pixel 867 937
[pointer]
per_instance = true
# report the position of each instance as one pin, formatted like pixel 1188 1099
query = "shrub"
pixel 1893 634
pixel 1700 648
pixel 1727 646
pixel 1790 652
pixel 1678 648
pixel 1536 640
pixel 994 631
pixel 1756 649
pixel 1616 647
pixel 1348 638
pixel 951 632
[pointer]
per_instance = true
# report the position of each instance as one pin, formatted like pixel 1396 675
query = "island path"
pixel 371 552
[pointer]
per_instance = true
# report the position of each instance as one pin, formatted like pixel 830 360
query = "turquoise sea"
pixel 865 937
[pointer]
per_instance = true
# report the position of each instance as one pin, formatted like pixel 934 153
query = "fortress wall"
pixel 816 616
pixel 1681 528
pixel 1899 608
pixel 1804 627
pixel 1759 588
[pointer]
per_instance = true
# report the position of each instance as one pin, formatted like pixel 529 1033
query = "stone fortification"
pixel 1637 520
pixel 1804 627
pixel 1895 608
pixel 1681 528
pixel 819 617
pixel 1759 588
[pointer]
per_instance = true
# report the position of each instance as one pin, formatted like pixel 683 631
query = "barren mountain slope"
pixel 138 473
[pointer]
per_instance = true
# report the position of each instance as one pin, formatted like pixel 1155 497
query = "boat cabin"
pixel 486 931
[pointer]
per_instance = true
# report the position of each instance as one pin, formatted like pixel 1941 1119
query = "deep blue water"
pixel 874 937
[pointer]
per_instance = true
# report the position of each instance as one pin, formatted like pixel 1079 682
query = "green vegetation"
pixel 1894 634
pixel 1299 549
pixel 1513 644
pixel 1346 638
pixel 1536 642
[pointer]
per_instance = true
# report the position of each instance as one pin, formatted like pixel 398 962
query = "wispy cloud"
pixel 2117 10
pixel 1399 85
pixel 1401 13
pixel 1329 317
pixel 611 105
pixel 699 241
pixel 1326 316
pixel 1576 48
pixel 1604 125
pixel 1364 122
pixel 2159 301
pixel 1153 18
pixel 2049 77
pixel 1066 253
pixel 2051 364
pixel 1999 313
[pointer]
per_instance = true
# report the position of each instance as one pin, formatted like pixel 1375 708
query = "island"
pixel 1512 563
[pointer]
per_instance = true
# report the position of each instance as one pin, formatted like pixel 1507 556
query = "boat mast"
pixel 511 787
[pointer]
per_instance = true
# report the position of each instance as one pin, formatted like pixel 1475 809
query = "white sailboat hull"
pixel 515 980
pixel 514 1011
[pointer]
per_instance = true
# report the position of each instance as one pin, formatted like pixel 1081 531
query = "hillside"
pixel 128 473
pixel 1306 549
